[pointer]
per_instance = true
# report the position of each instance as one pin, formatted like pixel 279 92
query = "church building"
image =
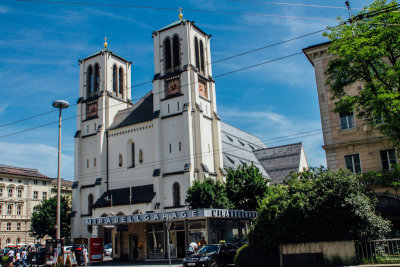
pixel 135 161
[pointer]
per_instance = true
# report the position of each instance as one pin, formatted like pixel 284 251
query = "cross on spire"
pixel 105 41
pixel 180 13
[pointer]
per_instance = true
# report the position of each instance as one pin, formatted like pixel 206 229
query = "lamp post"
pixel 60 104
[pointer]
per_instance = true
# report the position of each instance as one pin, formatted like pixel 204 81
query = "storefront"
pixel 144 236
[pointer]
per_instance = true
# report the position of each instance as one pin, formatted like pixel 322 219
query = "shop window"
pixel 388 159
pixel 347 121
pixel 353 163
pixel 155 240
pixel 176 194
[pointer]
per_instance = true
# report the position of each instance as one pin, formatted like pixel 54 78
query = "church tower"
pixel 188 128
pixel 104 89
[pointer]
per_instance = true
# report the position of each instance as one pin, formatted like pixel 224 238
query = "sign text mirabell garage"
pixel 176 215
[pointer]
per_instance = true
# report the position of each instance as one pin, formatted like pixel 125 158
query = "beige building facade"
pixel 348 141
pixel 21 191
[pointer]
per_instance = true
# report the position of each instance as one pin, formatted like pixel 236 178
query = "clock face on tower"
pixel 173 87
pixel 203 89
pixel 91 109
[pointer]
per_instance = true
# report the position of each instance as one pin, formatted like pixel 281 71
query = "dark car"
pixel 212 255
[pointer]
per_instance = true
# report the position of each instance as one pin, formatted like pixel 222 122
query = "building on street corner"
pixel 21 191
pixel 135 161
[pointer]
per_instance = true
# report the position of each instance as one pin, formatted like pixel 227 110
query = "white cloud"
pixel 36 156
pixel 3 107
pixel 4 10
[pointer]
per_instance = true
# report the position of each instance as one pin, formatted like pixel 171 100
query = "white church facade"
pixel 135 161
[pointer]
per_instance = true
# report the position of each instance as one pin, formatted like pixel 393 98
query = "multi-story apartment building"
pixel 349 142
pixel 21 191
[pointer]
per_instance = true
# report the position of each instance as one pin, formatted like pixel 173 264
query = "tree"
pixel 368 51
pixel 44 220
pixel 315 205
pixel 207 194
pixel 245 187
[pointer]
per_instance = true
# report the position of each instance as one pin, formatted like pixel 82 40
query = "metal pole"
pixel 58 235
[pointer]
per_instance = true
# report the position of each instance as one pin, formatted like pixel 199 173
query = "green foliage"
pixel 389 178
pixel 44 220
pixel 321 206
pixel 369 52
pixel 245 187
pixel 207 194
pixel 5 259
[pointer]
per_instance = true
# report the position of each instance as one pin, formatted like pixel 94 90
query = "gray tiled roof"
pixel 141 111
pixel 280 161
pixel 120 196
pixel 238 146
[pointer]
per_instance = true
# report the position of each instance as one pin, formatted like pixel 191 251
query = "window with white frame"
pixel 19 193
pixel 44 195
pixel 35 194
pixel 1 192
pixel 44 182
pixel 353 163
pixel 8 227
pixel 9 210
pixel 19 210
pixel 10 192
pixel 18 226
pixel 35 209
pixel 388 159
pixel 347 121
pixel 35 182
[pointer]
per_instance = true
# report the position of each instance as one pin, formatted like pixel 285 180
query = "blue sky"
pixel 41 43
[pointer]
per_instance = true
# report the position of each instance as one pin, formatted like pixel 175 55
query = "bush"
pixel 4 259
pixel 250 256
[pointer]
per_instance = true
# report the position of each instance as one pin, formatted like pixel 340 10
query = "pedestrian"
pixel 18 259
pixel 194 246
pixel 10 255
pixel 24 258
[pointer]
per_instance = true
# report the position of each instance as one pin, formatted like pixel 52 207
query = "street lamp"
pixel 60 104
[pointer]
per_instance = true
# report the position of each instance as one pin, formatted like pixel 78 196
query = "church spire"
pixel 105 42
pixel 180 13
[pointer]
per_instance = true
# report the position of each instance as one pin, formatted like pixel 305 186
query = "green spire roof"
pixel 172 24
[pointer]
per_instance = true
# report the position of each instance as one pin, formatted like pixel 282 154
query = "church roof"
pixel 280 161
pixel 120 196
pixel 141 111
pixel 238 147
pixel 173 24
pixel 102 51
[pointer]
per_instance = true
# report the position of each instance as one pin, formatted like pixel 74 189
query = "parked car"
pixel 212 255
pixel 108 249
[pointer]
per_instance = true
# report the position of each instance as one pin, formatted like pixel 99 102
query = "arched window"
pixel 167 55
pixel 89 78
pixel 121 81
pixel 115 79
pixel 176 191
pixel 96 80
pixel 175 50
pixel 140 156
pixel 120 160
pixel 8 240
pixel 196 52
pixel 132 154
pixel 90 204
pixel 18 240
pixel 9 210
pixel 201 57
